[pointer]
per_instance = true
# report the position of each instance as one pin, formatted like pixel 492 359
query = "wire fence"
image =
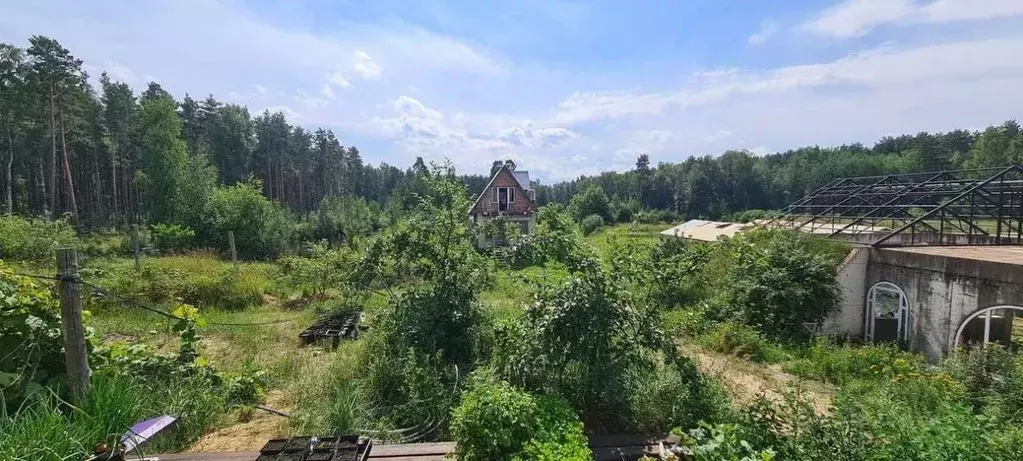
pixel 138 305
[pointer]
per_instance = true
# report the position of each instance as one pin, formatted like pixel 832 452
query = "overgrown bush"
pixel 591 223
pixel 993 380
pixel 722 442
pixel 30 338
pixel 33 239
pixel 776 285
pixel 262 228
pixel 497 421
pixel 200 280
pixel 624 210
pixel 674 273
pixel 173 238
pixel 434 327
pixel 341 219
pixel 843 363
pixel 591 201
pixel 553 240
pixel 584 340
pixel 324 268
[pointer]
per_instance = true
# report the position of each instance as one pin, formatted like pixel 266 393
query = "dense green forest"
pixel 715 186
pixel 106 157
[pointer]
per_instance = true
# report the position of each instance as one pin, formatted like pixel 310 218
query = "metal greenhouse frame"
pixel 953 207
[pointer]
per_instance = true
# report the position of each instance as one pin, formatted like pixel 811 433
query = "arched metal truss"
pixel 955 207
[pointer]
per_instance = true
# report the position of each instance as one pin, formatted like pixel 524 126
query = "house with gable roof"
pixel 509 194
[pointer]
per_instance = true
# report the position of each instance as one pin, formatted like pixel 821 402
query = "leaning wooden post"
pixel 75 358
pixel 136 245
pixel 234 251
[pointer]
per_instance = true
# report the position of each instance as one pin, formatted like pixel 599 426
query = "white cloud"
pixel 768 29
pixel 119 73
pixel 963 10
pixel 327 91
pixel 259 88
pixel 339 79
pixel 365 66
pixel 853 18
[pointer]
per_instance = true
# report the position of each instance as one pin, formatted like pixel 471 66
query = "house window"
pixel 502 196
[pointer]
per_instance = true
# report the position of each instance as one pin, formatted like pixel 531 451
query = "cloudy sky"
pixel 564 87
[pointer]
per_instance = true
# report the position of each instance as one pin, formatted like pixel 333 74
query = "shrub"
pixel 172 238
pixel 262 228
pixel 33 239
pixel 591 223
pixel 199 280
pixel 841 364
pixel 624 211
pixel 722 441
pixel 583 339
pixel 553 240
pixel 591 201
pixel 993 380
pixel 778 285
pixel 674 273
pixel 341 219
pixel 497 421
pixel 30 336
pixel 324 268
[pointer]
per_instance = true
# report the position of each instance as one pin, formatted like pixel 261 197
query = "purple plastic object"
pixel 142 431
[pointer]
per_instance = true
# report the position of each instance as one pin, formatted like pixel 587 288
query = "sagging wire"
pixel 105 292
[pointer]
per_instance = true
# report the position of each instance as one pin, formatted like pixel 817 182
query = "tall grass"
pixel 50 429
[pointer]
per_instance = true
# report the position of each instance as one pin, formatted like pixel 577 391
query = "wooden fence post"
pixel 136 245
pixel 75 358
pixel 234 251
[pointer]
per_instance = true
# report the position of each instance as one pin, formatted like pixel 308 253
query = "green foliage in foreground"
pixel 586 341
pixel 497 421
pixel 30 338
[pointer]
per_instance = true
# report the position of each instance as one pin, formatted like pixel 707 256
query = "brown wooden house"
pixel 509 194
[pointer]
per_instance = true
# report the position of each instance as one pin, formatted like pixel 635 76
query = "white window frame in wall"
pixel 903 314
pixel 986 312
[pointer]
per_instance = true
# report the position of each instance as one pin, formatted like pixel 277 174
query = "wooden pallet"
pixel 605 448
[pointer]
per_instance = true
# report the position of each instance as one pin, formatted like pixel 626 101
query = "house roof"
pixel 524 177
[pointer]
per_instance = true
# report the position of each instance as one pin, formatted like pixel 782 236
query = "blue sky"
pixel 564 87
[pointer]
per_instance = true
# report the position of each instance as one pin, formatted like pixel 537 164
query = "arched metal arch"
pixel 903 315
pixel 987 326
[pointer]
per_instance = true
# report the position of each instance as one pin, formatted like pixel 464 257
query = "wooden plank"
pixel 412 449
pixel 224 456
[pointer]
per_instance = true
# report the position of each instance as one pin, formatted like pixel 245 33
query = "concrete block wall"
pixel 943 291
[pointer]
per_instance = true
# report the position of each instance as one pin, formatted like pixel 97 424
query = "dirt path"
pixel 248 435
pixel 746 380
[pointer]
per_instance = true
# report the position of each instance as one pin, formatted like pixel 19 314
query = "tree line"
pixel 105 156
pixel 713 187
